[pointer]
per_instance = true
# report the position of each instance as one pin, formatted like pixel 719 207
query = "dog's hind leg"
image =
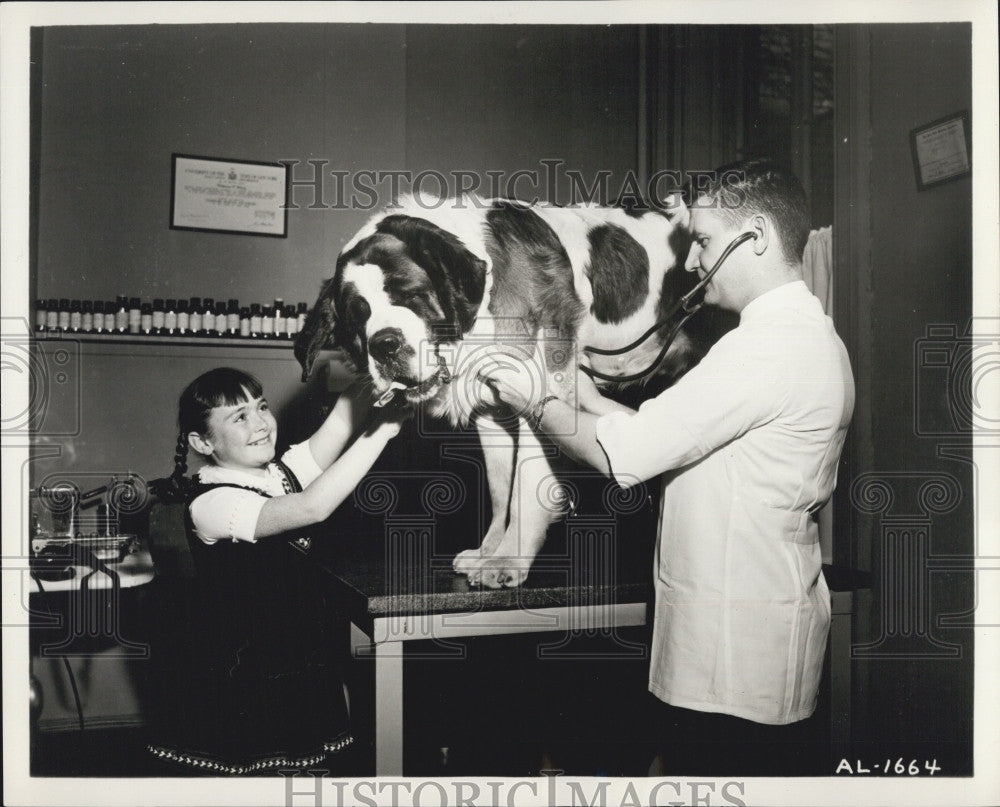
pixel 530 516
pixel 499 448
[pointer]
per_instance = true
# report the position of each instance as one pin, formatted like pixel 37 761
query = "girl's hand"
pixel 354 405
pixel 390 419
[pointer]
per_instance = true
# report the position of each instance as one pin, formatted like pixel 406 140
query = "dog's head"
pixel 397 294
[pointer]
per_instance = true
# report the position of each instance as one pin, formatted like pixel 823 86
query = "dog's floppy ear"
pixel 459 277
pixel 318 330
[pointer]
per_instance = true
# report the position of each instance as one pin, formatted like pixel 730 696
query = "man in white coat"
pixel 748 443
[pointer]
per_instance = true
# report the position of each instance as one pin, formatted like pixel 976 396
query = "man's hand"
pixel 588 396
pixel 517 381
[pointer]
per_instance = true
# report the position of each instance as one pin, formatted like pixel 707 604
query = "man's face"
pixel 710 235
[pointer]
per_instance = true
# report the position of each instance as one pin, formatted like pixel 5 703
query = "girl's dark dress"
pixel 258 688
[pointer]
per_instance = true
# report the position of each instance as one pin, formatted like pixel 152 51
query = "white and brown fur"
pixel 460 283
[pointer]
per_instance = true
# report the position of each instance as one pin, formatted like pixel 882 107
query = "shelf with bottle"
pixel 195 320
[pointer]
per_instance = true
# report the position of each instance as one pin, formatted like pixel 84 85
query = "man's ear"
pixel 200 444
pixel 676 210
pixel 763 231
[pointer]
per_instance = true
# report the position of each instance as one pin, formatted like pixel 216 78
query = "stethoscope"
pixel 684 304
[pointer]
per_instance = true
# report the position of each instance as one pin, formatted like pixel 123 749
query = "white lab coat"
pixel 750 440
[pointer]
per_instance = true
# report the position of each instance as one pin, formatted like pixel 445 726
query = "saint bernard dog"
pixel 429 290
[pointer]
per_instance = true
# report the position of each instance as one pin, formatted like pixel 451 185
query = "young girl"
pixel 260 689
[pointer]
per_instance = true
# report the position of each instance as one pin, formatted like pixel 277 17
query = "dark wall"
pixel 117 101
pixel 921 278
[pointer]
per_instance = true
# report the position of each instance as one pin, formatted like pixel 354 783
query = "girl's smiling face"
pixel 241 436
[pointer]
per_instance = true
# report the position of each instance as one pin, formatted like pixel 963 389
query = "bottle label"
pixel 293 326
pixel 109 322
pixel 245 327
pixel 121 319
pixel 87 322
pixel 64 320
pixel 268 325
pixel 220 323
pixel 255 324
pixel 41 317
pixel 158 319
pixel 52 320
pixel 183 321
pixel 195 322
pixel 134 320
pixel 170 321
pixel 233 322
pixel 146 322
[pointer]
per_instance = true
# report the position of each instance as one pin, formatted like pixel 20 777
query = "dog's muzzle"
pixel 416 391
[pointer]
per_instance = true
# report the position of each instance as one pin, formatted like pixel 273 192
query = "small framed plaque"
pixel 229 196
pixel 942 150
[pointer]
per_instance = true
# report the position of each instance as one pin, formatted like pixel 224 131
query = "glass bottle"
pixel 146 319
pixel 194 320
pixel 64 314
pixel 52 315
pixel 87 316
pixel 207 316
pixel 121 314
pixel 301 315
pixel 170 317
pixel 41 316
pixel 256 324
pixel 244 322
pixel 233 318
pixel 267 323
pixel 291 322
pixel 75 316
pixel 280 325
pixel 159 315
pixel 98 316
pixel 183 318
pixel 134 315
pixel 220 319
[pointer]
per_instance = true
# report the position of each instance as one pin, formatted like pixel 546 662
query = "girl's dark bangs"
pixel 231 388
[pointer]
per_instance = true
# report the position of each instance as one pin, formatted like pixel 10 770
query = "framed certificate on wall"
pixel 941 150
pixel 228 196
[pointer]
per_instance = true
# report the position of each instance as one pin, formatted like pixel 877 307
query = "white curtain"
pixel 817 266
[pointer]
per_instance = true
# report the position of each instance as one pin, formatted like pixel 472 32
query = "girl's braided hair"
pixel 223 386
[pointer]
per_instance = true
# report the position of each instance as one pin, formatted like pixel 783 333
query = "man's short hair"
pixel 743 189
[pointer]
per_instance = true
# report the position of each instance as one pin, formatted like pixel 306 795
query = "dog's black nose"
pixel 385 344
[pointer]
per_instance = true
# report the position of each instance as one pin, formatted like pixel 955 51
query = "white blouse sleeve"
pixel 301 462
pixel 731 391
pixel 226 513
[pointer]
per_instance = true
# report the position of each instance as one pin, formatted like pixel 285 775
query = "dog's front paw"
pixel 500 572
pixel 467 560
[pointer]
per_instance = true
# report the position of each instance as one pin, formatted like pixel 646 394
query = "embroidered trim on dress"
pixel 206 763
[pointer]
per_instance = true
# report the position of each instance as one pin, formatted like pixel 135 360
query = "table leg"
pixel 389 709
